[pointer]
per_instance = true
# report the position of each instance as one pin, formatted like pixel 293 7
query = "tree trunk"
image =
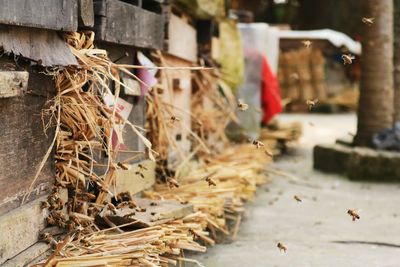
pixel 396 60
pixel 375 111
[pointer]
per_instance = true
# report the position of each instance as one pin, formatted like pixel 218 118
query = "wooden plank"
pixel 25 257
pixel 151 212
pixel 23 141
pixel 86 13
pixel 131 181
pixel 122 23
pixel 20 228
pixel 43 46
pixel 182 39
pixel 13 83
pixel 179 83
pixel 47 14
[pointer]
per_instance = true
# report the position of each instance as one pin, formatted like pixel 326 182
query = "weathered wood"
pixel 23 141
pixel 20 228
pixel 13 83
pixel 131 180
pixel 122 23
pixel 182 39
pixel 43 46
pixel 25 257
pixel 151 212
pixel 86 13
pixel 48 14
pixel 179 82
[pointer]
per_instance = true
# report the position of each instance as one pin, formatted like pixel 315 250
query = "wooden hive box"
pixel 122 22
pixel 181 37
pixel 46 14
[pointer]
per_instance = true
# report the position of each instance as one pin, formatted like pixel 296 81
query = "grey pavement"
pixel 318 231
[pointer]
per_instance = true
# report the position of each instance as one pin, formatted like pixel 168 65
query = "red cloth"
pixel 270 93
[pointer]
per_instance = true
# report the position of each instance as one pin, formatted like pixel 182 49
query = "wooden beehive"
pixel 122 22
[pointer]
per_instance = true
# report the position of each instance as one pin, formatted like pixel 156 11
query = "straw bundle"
pixel 153 246
pixel 236 174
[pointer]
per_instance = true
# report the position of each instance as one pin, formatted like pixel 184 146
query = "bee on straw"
pixel 173 182
pixel 354 215
pixel 306 43
pixel 311 103
pixel 242 106
pixel 122 166
pixel 368 21
pixel 258 143
pixel 281 247
pixel 347 59
pixel 297 198
pixel 210 181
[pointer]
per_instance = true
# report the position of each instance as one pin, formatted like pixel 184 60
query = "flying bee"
pixel 297 198
pixel 311 103
pixel 347 59
pixel 241 105
pixel 141 167
pixel 140 174
pixel 175 119
pixel 258 143
pixel 153 204
pixel 210 181
pixel 368 21
pixel 281 247
pixel 354 215
pixel 173 182
pixel 306 43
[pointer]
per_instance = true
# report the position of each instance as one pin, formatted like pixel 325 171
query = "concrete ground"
pixel 318 231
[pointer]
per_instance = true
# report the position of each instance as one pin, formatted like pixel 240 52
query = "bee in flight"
pixel 175 119
pixel 281 247
pixel 354 215
pixel 347 59
pixel 297 198
pixel 368 21
pixel 210 181
pixel 306 43
pixel 311 103
pixel 258 143
pixel 242 106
